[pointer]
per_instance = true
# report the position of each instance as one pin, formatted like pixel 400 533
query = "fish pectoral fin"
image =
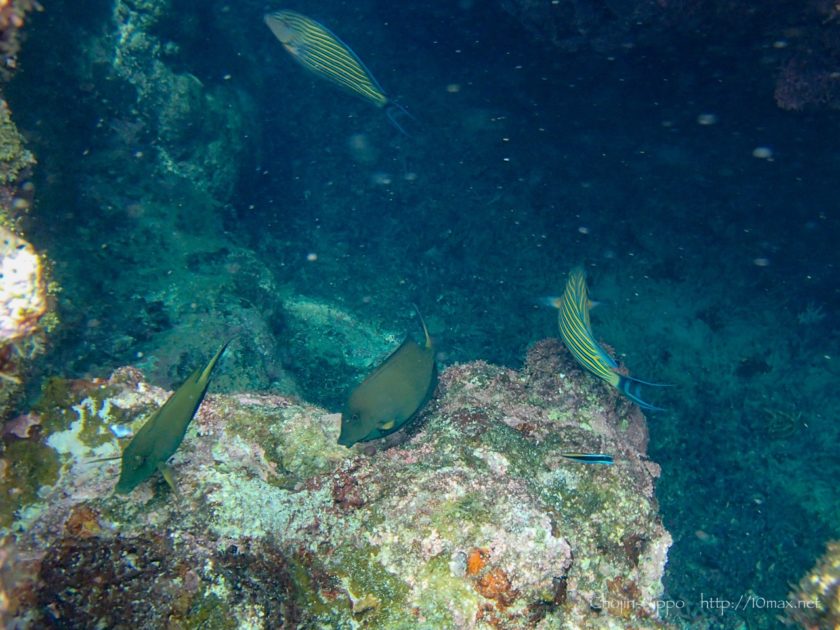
pixel 168 477
pixel 387 425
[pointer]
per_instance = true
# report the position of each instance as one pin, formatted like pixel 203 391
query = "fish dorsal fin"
pixel 428 344
pixel 204 375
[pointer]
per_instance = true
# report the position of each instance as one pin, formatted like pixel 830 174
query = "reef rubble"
pixel 470 518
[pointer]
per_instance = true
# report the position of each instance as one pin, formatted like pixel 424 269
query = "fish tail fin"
pixel 551 301
pixel 632 388
pixel 590 458
pixel 392 111
pixel 425 328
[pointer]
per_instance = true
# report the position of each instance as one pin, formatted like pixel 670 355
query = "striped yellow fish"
pixel 576 331
pixel 318 50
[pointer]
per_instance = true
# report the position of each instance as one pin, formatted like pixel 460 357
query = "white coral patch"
pixel 23 295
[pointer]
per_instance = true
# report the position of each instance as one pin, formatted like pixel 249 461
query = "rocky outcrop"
pixel 471 518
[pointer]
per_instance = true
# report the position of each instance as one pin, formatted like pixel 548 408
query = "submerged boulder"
pixel 470 518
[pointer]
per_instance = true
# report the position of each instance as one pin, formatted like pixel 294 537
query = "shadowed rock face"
pixel 473 518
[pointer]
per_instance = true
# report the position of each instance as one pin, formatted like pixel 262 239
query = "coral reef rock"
pixel 23 304
pixel 23 293
pixel 14 157
pixel 471 518
pixel 816 602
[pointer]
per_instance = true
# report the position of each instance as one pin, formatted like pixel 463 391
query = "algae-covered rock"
pixel 23 306
pixel 474 520
pixel 14 157
pixel 339 348
pixel 816 601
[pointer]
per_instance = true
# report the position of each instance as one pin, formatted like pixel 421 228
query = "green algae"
pixel 29 465
pixel 299 444
pixel 14 158
pixel 301 571
pixel 306 447
pixel 59 407
pixel 524 455
pixel 444 596
pixel 209 612
pixel 374 597
pixel 470 511
pixel 365 576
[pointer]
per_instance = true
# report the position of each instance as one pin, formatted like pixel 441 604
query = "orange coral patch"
pixel 495 585
pixel 83 522
pixel 476 560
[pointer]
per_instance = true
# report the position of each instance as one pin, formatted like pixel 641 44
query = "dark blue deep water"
pixel 706 216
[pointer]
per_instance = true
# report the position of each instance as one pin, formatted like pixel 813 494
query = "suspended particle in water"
pixel 707 119
pixel 761 261
pixel 583 229
pixel 381 179
pixel 763 153
pixel 453 88
pixel 312 257
pixel 361 148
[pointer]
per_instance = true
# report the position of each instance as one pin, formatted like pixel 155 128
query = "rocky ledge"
pixel 471 518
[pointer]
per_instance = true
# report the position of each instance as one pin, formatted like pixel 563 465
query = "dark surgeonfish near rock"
pixel 576 331
pixel 321 52
pixel 162 434
pixel 392 395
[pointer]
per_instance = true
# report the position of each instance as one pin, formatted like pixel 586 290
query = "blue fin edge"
pixel 632 388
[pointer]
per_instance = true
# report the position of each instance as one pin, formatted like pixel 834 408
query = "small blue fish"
pixel 590 458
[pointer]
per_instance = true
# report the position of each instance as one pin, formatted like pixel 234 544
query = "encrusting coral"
pixel 468 518
pixel 23 280
pixel 816 602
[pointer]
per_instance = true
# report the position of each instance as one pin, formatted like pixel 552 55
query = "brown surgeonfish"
pixel 392 395
pixel 163 432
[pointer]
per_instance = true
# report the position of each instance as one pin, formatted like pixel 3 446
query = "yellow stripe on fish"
pixel 576 331
pixel 318 50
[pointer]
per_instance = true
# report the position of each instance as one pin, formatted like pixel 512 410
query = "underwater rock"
pixel 15 158
pixel 23 305
pixel 12 17
pixel 26 313
pixel 155 182
pixel 474 521
pixel 330 348
pixel 816 601
pixel 200 130
pixel 23 291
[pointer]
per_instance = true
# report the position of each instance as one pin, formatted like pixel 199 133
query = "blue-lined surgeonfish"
pixel 162 434
pixel 320 51
pixel 576 331
pixel 393 394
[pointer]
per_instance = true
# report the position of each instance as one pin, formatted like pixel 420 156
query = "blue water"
pixel 706 216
